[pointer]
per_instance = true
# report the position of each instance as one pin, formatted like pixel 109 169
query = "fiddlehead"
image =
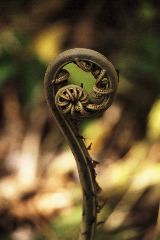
pixel 71 103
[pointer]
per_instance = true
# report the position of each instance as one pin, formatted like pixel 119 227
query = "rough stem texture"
pixel 71 103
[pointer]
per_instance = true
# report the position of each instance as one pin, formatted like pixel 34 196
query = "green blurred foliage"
pixel 78 77
pixel 18 65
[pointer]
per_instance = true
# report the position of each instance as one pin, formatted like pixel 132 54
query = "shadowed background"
pixel 40 195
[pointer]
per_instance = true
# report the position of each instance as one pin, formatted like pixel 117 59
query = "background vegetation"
pixel 40 196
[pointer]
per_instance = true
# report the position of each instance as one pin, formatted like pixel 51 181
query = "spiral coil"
pixel 74 100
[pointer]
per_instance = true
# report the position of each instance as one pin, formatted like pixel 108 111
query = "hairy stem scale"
pixel 71 103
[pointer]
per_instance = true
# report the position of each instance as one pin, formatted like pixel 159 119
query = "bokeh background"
pixel 40 195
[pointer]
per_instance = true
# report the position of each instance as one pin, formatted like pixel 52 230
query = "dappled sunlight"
pixel 120 174
pixel 44 204
pixel 153 132
pixel 47 44
pixel 62 164
pixel 24 233
pixel 131 177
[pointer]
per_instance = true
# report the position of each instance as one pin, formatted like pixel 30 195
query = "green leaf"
pixel 7 70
